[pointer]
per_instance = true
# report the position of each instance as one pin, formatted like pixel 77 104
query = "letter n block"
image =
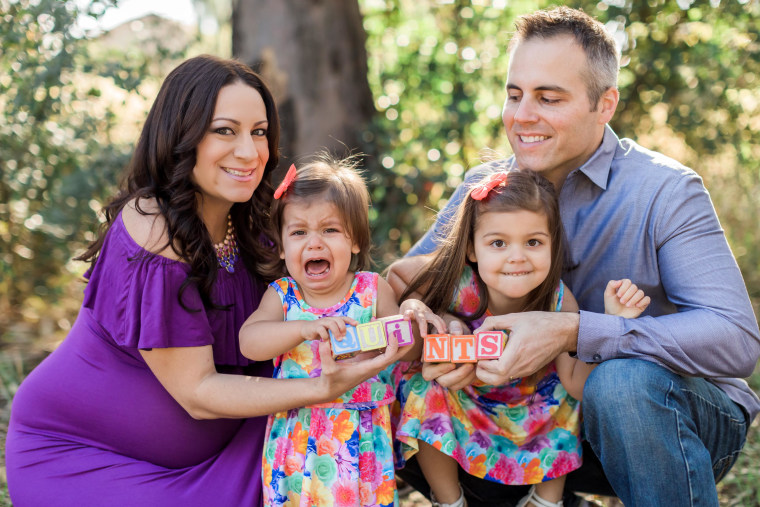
pixel 348 346
pixel 371 335
pixel 437 348
pixel 490 344
pixel 463 348
pixel 400 328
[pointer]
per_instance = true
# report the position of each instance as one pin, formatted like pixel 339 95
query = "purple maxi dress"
pixel 91 425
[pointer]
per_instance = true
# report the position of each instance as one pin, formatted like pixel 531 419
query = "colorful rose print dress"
pixel 337 453
pixel 524 432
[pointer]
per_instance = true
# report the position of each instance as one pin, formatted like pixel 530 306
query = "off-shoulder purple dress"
pixel 91 425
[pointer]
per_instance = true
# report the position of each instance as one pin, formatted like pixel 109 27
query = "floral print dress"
pixel 336 453
pixel 523 432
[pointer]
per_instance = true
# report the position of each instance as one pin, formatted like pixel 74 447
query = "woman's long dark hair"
pixel 523 190
pixel 163 162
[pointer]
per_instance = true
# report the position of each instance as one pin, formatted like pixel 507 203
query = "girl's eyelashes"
pixel 534 242
pixel 498 243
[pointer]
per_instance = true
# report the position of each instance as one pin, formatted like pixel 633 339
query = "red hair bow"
pixel 289 178
pixel 482 189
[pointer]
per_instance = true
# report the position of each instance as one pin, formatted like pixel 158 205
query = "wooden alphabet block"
pixel 371 335
pixel 348 346
pixel 437 348
pixel 490 344
pixel 400 328
pixel 463 349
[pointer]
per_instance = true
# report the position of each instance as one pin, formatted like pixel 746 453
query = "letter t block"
pixel 463 348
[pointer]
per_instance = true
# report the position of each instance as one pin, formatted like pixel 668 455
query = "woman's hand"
pixel 339 376
pixel 320 329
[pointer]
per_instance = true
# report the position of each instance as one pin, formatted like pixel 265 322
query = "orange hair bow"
pixel 289 178
pixel 482 189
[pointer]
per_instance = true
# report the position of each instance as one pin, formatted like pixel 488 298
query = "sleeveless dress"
pixel 92 426
pixel 524 432
pixel 337 453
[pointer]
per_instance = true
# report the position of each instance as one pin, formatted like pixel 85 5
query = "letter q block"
pixel 348 346
pixel 437 348
pixel 490 344
pixel 371 335
pixel 463 348
pixel 400 328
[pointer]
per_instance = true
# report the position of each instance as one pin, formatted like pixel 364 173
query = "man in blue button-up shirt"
pixel 666 411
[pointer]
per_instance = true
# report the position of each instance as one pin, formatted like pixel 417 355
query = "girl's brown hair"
pixel 337 181
pixel 523 190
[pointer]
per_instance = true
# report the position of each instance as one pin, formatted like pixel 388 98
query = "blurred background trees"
pixel 415 85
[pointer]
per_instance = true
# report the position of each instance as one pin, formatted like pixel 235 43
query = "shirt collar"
pixel 597 168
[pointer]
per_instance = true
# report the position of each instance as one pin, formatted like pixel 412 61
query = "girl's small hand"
pixel 320 329
pixel 451 375
pixel 414 309
pixel 337 377
pixel 624 299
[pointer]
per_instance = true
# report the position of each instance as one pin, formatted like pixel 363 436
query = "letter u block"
pixel 348 346
pixel 400 328
pixel 371 335
pixel 437 348
pixel 463 348
pixel 490 344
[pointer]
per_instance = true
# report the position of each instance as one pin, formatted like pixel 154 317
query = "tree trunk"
pixel 312 54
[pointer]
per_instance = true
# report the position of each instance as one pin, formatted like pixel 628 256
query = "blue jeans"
pixel 662 439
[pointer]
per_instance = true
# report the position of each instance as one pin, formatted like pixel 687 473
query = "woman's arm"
pixel 403 271
pixel 189 375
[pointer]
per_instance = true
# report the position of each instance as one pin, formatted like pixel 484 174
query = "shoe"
pixel 460 502
pixel 533 498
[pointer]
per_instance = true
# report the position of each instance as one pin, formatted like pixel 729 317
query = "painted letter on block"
pixel 400 328
pixel 437 348
pixel 463 348
pixel 348 346
pixel 490 344
pixel 371 335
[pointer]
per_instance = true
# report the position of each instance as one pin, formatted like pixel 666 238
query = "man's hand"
pixel 535 338
pixel 450 375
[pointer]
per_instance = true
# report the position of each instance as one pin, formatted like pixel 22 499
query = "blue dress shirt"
pixel 633 213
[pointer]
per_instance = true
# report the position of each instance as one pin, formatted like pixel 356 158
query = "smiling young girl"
pixel 336 453
pixel 502 255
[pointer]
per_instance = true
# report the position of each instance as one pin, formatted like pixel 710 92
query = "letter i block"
pixel 490 344
pixel 437 348
pixel 400 328
pixel 463 348
pixel 348 346
pixel 371 335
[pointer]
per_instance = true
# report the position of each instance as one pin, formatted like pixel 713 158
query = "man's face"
pixel 547 114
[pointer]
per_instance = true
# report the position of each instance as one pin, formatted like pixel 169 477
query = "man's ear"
pixel 607 104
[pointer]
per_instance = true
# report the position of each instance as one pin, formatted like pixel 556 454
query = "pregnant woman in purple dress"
pixel 148 401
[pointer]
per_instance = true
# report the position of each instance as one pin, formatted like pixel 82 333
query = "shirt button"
pixel 597 357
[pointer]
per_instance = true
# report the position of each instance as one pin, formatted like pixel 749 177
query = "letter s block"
pixel 348 346
pixel 490 344
pixel 463 348
pixel 371 335
pixel 437 348
pixel 400 328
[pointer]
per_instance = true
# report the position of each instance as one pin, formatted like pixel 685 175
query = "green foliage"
pixel 61 99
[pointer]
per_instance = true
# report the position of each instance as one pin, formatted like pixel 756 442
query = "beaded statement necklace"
pixel 227 250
